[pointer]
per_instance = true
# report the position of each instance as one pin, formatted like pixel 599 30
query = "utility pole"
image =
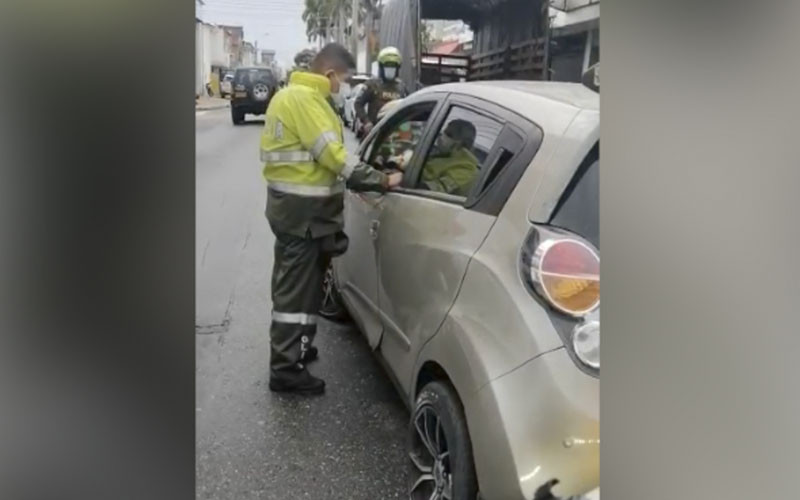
pixel 342 22
pixel 354 30
pixel 368 32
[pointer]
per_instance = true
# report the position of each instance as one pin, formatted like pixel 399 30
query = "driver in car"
pixel 451 166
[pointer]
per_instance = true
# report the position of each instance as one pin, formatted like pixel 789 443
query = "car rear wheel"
pixel 237 116
pixel 440 450
pixel 332 305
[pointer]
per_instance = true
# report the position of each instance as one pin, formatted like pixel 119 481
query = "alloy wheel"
pixel 430 457
pixel 327 288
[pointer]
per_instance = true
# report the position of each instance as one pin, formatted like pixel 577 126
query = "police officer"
pixel 306 167
pixel 378 91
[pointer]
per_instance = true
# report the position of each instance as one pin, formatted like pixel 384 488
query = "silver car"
pixel 477 285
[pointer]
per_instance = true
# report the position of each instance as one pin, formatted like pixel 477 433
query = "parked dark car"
pixel 253 88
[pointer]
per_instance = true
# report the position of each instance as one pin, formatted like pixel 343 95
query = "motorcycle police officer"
pixel 307 167
pixel 378 91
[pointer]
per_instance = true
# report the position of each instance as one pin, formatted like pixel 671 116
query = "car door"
pixel 426 237
pixel 357 268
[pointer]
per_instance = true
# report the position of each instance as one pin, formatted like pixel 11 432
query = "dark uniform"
pixel 377 92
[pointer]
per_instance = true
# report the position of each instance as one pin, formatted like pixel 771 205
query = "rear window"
pixel 254 75
pixel 578 210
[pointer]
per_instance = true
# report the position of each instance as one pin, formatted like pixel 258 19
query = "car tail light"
pixel 566 273
pixel 586 343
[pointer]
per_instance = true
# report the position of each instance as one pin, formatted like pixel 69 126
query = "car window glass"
pixel 396 142
pixel 461 147
pixel 578 211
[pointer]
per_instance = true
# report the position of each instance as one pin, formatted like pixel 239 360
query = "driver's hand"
pixel 396 161
pixel 367 127
pixel 394 180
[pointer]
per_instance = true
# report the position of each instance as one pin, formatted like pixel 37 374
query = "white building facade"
pixel 209 53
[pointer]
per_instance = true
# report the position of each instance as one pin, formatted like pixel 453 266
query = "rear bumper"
pixel 592 495
pixel 538 423
pixel 248 106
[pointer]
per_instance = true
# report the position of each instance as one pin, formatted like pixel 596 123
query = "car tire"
pixel 237 116
pixel 332 307
pixel 438 428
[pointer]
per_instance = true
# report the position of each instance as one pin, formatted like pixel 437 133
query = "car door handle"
pixel 373 229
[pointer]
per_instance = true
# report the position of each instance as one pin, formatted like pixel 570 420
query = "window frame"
pixel 398 115
pixel 491 198
pixel 589 161
pixel 414 169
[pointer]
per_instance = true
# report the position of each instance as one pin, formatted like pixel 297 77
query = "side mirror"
pixel 591 77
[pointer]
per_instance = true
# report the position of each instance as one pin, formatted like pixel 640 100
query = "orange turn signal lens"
pixel 567 273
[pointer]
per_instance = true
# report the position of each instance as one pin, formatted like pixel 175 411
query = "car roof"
pixel 575 95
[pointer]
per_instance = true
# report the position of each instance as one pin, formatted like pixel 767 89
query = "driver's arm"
pixel 456 180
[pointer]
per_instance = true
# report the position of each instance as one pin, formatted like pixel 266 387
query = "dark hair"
pixel 333 56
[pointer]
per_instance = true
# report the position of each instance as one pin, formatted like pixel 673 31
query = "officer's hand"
pixel 393 180
pixel 367 127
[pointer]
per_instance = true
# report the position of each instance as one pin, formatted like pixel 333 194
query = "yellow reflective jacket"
pixel 452 174
pixel 302 133
pixel 306 163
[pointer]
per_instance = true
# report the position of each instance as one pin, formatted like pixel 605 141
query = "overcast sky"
pixel 280 19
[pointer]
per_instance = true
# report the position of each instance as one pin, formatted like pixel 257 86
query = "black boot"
pixel 312 354
pixel 299 382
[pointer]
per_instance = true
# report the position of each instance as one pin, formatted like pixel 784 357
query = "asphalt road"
pixel 251 443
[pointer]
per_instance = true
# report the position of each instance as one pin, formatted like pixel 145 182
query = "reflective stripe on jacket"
pixel 305 160
pixel 302 141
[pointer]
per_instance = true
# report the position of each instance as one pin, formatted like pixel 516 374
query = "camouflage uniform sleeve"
pixel 366 178
pixel 361 101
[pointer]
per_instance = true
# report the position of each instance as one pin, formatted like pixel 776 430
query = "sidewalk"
pixel 206 103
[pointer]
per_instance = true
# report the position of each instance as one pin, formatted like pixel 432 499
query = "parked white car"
pixel 225 86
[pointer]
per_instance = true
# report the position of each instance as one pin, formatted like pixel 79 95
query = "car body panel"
pixel 537 423
pixel 576 141
pixel 356 270
pixel 424 245
pixel 451 293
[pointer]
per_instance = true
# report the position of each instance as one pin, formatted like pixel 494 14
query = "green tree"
pixel 426 37
pixel 321 16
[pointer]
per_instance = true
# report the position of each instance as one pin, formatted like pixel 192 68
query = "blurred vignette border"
pixel 97 258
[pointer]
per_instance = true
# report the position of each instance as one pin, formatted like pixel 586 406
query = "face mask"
pixel 389 72
pixel 445 144
pixel 343 90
